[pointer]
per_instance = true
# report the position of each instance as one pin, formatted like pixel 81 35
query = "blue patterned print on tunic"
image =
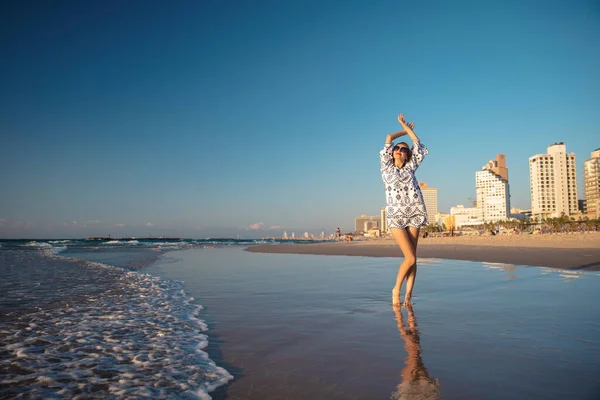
pixel 405 204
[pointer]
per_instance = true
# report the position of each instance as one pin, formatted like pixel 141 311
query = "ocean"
pixel 207 319
pixel 81 318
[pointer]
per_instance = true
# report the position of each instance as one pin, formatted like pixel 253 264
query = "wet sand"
pixel 313 327
pixel 568 251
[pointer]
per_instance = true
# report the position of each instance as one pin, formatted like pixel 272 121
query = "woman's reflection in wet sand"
pixel 416 383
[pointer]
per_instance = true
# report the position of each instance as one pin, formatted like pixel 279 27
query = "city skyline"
pixel 193 120
pixel 259 230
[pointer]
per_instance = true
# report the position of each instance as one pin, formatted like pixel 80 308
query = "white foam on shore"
pixel 140 338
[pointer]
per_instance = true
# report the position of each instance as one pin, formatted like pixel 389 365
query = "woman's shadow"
pixel 416 383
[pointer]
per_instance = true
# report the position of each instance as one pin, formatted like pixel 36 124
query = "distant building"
pixel 431 201
pixel 465 216
pixel 365 223
pixel 553 183
pixel 440 219
pixel 449 222
pixel 493 192
pixel 520 214
pixel 383 223
pixel 591 185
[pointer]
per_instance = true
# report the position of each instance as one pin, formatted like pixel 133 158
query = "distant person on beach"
pixel 405 209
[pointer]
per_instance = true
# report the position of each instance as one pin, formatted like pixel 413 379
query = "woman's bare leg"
pixel 411 276
pixel 402 237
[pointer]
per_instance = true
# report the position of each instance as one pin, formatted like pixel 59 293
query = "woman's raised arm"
pixel 393 136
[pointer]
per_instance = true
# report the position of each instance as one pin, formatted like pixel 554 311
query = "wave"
pixel 141 337
pixel 37 244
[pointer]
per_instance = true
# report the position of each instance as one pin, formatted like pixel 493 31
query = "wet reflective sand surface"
pixel 305 326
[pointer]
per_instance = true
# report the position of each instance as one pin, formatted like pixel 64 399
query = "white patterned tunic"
pixel 405 205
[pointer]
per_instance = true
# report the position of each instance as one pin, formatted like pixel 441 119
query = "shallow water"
pixel 71 328
pixel 302 326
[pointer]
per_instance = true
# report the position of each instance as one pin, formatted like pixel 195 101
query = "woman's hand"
pixel 408 127
pixel 402 122
pixel 408 130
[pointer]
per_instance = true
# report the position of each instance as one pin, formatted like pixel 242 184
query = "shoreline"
pixel 563 251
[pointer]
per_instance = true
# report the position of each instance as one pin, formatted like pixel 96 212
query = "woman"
pixel 405 210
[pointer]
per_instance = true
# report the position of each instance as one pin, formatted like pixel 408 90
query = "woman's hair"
pixel 409 154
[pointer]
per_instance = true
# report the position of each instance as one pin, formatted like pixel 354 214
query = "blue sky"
pixel 214 118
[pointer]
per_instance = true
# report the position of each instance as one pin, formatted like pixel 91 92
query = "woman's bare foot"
pixel 407 302
pixel 396 297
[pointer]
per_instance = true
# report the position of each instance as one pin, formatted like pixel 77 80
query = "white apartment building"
pixel 431 201
pixel 553 183
pixel 465 216
pixel 493 192
pixel 591 185
pixel 364 223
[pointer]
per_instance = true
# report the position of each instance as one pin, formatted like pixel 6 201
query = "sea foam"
pixel 141 337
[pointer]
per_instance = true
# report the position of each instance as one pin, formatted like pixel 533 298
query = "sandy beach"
pixel 579 251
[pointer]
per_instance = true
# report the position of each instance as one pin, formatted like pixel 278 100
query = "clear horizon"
pixel 213 119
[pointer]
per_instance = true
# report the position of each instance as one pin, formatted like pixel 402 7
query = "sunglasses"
pixel 402 149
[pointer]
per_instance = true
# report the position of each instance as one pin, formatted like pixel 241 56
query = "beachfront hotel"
pixel 591 186
pixel 493 193
pixel 553 183
pixel 431 201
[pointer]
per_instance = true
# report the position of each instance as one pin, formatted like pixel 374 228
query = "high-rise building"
pixel 383 223
pixel 364 223
pixel 591 185
pixel 493 192
pixel 431 201
pixel 553 183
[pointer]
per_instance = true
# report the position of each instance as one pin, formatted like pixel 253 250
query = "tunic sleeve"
pixel 386 158
pixel 419 151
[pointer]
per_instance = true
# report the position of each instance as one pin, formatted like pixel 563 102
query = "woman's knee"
pixel 413 270
pixel 411 259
